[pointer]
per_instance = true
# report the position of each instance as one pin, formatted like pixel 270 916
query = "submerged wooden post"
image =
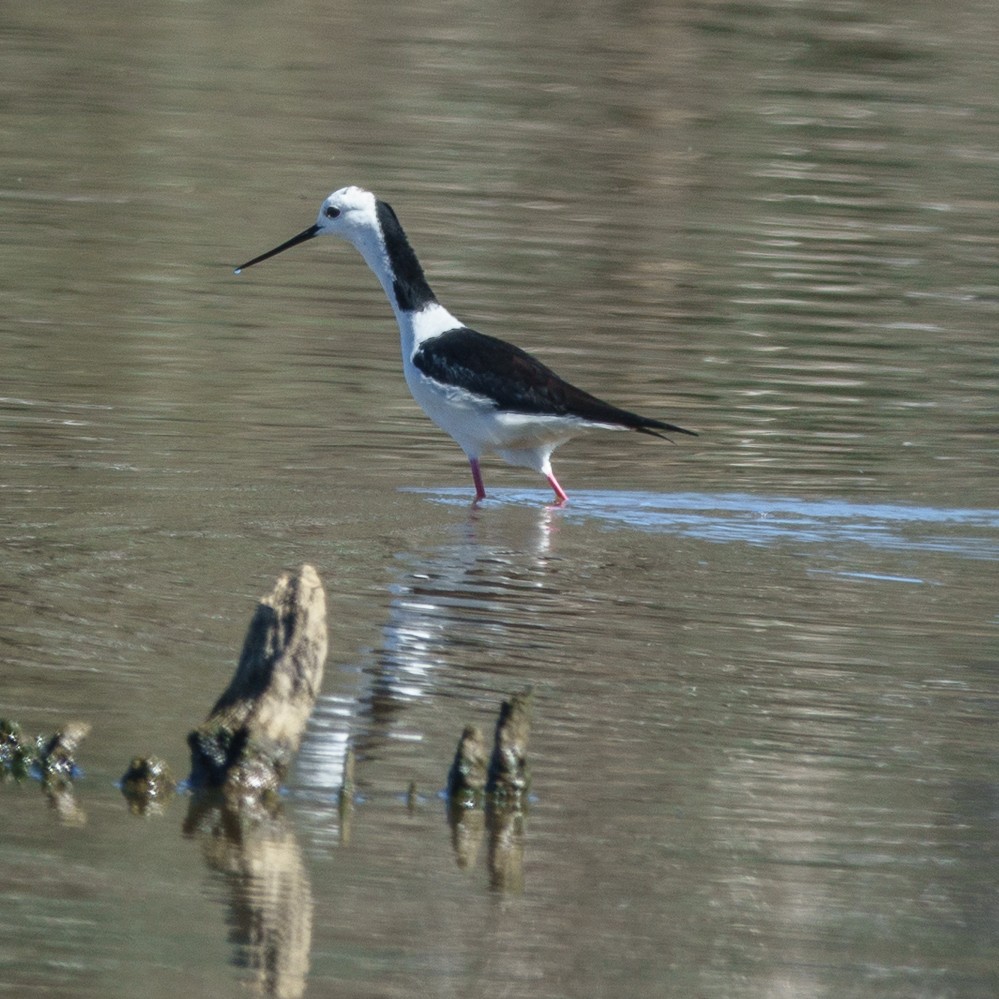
pixel 509 774
pixel 467 776
pixel 502 785
pixel 246 744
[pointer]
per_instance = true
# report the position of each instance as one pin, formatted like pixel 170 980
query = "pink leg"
pixel 560 493
pixel 480 489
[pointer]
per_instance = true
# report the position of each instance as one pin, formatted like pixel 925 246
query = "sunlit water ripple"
pixel 765 520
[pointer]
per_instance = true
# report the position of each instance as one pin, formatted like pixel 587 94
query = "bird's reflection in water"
pixel 480 600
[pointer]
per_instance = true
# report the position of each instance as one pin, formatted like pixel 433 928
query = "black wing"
pixel 518 382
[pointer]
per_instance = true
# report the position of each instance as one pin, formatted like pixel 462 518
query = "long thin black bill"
pixel 304 235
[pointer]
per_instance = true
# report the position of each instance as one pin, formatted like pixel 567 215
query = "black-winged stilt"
pixel 490 396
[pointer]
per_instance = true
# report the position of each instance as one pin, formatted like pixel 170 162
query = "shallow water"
pixel 764 659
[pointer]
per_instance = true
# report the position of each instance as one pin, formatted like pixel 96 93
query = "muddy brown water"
pixel 764 660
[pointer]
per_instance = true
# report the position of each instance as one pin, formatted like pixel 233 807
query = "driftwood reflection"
pixel 502 825
pixel 505 822
pixel 256 855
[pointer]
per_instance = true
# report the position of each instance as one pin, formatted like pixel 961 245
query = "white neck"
pixel 415 326
pixel 371 245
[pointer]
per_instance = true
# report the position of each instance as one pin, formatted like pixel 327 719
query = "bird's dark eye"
pixel 331 212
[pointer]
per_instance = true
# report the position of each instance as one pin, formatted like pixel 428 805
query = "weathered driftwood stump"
pixel 244 749
pixel 246 744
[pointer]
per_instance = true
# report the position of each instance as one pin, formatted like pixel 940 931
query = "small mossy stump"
pixel 249 739
pixel 53 758
pixel 16 754
pixel 57 756
pixel 147 785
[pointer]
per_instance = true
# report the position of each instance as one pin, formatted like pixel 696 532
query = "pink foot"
pixel 560 494
pixel 480 489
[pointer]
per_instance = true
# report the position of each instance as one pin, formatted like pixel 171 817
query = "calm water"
pixel 764 660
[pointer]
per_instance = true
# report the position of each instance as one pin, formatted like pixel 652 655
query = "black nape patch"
pixel 412 292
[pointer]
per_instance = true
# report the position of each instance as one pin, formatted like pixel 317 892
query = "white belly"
pixel 480 428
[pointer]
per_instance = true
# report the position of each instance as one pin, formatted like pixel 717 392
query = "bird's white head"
pixel 358 217
pixel 350 213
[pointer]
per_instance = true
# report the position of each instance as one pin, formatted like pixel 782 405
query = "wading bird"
pixel 490 396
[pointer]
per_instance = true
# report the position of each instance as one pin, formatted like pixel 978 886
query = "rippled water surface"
pixel 763 659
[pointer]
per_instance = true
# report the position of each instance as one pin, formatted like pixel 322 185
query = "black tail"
pixel 654 427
